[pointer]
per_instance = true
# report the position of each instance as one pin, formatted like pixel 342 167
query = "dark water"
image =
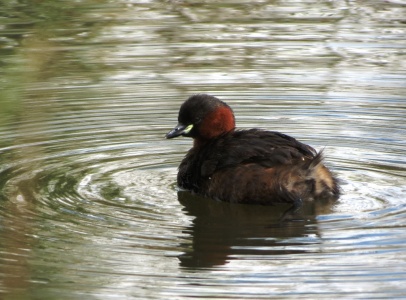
pixel 89 208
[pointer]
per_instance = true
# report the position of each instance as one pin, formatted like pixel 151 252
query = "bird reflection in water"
pixel 221 231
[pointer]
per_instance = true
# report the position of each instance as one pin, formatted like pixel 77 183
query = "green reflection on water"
pixel 67 66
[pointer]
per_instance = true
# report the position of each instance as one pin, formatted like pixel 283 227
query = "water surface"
pixel 88 202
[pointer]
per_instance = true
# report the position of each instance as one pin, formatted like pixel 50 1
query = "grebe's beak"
pixel 180 129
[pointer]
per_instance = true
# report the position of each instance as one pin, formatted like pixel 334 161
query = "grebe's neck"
pixel 216 123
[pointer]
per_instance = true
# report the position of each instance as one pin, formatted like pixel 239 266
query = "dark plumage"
pixel 246 166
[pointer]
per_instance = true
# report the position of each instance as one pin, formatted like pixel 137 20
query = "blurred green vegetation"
pixel 36 43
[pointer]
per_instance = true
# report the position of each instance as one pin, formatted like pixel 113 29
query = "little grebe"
pixel 246 166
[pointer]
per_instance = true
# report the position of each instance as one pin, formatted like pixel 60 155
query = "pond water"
pixel 89 206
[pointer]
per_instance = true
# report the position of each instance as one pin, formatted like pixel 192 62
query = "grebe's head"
pixel 203 117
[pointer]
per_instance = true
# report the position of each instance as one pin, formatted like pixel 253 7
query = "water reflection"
pixel 221 231
pixel 88 203
pixel 16 245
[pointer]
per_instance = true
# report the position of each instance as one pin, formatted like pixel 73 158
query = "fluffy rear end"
pixel 316 180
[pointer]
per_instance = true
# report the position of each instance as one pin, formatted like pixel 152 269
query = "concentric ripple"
pixel 99 201
pixel 99 198
pixel 89 207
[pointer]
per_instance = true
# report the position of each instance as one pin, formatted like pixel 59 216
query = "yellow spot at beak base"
pixel 188 129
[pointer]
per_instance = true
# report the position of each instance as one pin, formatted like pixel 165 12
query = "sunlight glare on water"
pixel 89 206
